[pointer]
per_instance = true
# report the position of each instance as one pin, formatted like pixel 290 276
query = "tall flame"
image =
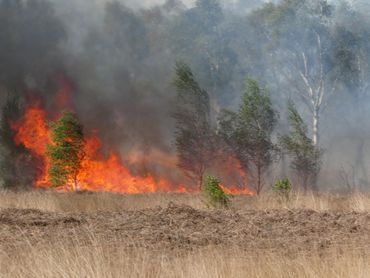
pixel 98 172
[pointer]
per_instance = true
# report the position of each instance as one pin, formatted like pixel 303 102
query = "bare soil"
pixel 183 228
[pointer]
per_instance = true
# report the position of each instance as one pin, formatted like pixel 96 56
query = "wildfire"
pixel 233 190
pixel 98 172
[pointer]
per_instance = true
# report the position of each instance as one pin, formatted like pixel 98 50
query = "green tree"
pixel 195 137
pixel 249 132
pixel 66 150
pixel 306 157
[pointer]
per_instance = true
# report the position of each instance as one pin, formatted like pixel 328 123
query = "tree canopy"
pixel 66 150
pixel 195 137
pixel 249 132
pixel 306 157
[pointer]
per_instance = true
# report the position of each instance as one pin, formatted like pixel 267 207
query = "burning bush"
pixel 216 197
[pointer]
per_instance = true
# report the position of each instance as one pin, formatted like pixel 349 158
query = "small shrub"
pixel 214 193
pixel 283 188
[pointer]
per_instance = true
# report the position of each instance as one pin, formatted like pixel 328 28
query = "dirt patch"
pixel 31 217
pixel 184 228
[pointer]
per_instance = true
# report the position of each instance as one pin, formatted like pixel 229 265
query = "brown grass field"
pixel 45 234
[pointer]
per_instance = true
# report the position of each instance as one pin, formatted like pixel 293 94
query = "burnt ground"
pixel 184 228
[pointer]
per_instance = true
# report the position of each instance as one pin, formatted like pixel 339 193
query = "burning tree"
pixel 66 151
pixel 14 158
pixel 306 156
pixel 195 137
pixel 249 132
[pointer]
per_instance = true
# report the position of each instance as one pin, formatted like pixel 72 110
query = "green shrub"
pixel 283 188
pixel 216 197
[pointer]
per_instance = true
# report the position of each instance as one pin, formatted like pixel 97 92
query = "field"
pixel 44 234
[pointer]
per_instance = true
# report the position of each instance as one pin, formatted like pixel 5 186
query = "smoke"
pixel 119 57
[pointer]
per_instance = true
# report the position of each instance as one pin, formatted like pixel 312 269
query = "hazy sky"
pixel 135 3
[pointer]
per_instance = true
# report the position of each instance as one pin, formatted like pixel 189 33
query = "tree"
pixel 306 157
pixel 352 63
pixel 283 188
pixel 13 156
pixel 66 151
pixel 249 132
pixel 214 193
pixel 202 27
pixel 298 33
pixel 209 13
pixel 195 138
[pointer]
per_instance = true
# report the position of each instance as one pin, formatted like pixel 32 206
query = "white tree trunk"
pixel 315 126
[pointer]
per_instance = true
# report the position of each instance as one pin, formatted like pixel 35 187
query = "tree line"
pixel 312 56
pixel 247 134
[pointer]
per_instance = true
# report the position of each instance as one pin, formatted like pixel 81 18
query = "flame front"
pixel 98 172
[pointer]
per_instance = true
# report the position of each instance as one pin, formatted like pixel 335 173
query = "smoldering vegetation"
pixel 120 57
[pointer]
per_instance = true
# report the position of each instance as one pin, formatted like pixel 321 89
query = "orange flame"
pixel 233 190
pixel 98 172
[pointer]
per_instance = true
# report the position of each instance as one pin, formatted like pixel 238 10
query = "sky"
pixel 135 3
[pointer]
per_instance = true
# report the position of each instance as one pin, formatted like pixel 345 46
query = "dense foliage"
pixel 194 134
pixel 283 188
pixel 249 132
pixel 66 151
pixel 216 197
pixel 306 157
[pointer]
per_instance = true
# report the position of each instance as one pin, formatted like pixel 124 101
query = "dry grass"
pixel 359 202
pixel 99 259
pixel 107 261
pixel 91 202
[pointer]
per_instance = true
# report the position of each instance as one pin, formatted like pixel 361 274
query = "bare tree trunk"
pixel 75 184
pixel 305 183
pixel 259 181
pixel 360 160
pixel 315 95
pixel 316 126
pixel 200 179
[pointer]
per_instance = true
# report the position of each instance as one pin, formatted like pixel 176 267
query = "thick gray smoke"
pixel 120 56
